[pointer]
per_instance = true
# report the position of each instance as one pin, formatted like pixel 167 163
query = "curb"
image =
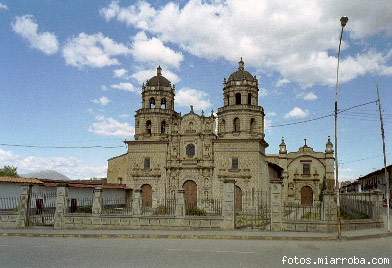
pixel 196 236
pixel 170 236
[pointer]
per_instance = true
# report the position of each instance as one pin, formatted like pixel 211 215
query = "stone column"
pixel 154 199
pixel 23 207
pixel 136 204
pixel 276 205
pixel 61 206
pixel 377 204
pixel 329 206
pixel 228 204
pixel 97 202
pixel 128 198
pixel 180 204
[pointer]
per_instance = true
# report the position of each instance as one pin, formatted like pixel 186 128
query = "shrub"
pixel 196 212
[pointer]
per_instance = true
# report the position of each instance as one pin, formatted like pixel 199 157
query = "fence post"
pixel 97 202
pixel 376 204
pixel 228 204
pixel 180 204
pixel 61 206
pixel 23 207
pixel 136 201
pixel 276 205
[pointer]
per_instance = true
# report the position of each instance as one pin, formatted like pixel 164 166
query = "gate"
pixel 42 208
pixel 255 212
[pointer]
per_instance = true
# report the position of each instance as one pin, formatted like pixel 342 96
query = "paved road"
pixel 73 252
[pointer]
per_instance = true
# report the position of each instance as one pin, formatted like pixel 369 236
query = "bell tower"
pixel 241 117
pixel 154 120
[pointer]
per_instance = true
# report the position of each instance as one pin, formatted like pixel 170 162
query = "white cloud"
pixel 3 7
pixel 297 40
pixel 94 50
pixel 297 113
pixel 143 75
pixel 153 51
pixel 120 73
pixel 102 101
pixel 310 96
pixel 69 166
pixel 107 126
pixel 27 27
pixel 189 96
pixel 281 82
pixel 124 86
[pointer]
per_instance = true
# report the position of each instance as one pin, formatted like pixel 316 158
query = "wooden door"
pixel 146 195
pixel 238 199
pixel 190 194
pixel 306 196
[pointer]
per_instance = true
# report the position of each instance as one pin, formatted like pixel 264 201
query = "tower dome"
pixel 241 74
pixel 158 80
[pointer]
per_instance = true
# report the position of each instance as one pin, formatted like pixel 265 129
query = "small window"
pixel 147 163
pixel 163 103
pixel 249 98
pixel 236 124
pixel 190 150
pixel 234 163
pixel 120 180
pixel 148 127
pixel 238 98
pixel 306 169
pixel 152 103
pixel 163 127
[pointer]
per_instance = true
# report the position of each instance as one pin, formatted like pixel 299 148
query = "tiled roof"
pixel 20 180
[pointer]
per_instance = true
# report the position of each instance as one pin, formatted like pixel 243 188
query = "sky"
pixel 71 73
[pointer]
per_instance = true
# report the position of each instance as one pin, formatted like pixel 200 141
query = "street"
pixel 75 252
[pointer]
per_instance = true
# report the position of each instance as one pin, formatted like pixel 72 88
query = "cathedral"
pixel 197 152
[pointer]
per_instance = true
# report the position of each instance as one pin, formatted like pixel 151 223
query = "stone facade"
pixel 170 149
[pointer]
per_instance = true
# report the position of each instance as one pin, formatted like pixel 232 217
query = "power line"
pixel 324 116
pixel 60 147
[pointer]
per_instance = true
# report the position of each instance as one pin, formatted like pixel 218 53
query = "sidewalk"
pixel 192 234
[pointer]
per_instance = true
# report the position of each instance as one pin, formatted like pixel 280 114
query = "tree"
pixel 8 171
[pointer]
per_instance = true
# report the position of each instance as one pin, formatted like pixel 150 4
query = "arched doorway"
pixel 190 194
pixel 146 196
pixel 306 196
pixel 238 199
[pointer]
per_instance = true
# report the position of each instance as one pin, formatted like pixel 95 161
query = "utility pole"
pixel 385 157
pixel 343 22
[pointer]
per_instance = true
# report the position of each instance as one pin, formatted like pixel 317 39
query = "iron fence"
pixel 42 208
pixel 358 206
pixel 204 207
pixel 254 211
pixel 165 207
pixel 80 205
pixel 115 206
pixel 9 204
pixel 296 212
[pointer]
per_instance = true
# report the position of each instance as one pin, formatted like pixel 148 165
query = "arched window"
pixel 148 127
pixel 163 127
pixel 252 125
pixel 152 103
pixel 163 103
pixel 238 98
pixel 146 196
pixel 236 124
pixel 249 99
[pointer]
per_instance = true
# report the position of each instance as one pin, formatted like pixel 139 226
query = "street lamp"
pixel 343 22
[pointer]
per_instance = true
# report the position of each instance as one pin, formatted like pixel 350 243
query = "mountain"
pixel 46 174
